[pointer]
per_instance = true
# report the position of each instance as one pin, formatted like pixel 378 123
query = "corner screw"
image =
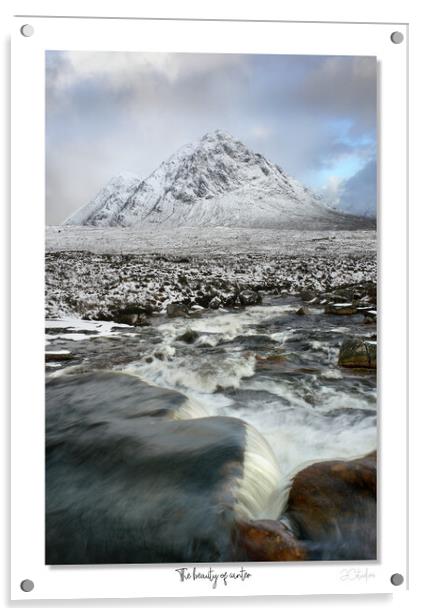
pixel 27 30
pixel 397 37
pixel 397 579
pixel 27 585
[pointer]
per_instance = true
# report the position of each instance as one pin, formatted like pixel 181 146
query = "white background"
pixel 304 10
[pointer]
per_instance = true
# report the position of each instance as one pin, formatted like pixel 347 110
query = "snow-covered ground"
pixel 157 239
pixel 97 273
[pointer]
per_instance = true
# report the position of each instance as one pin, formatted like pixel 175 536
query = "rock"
pixel 215 303
pixel 249 297
pixel 176 310
pixel 189 336
pixel 275 358
pixel 266 540
pixel 134 319
pixel 103 395
pixel 132 314
pixel 307 295
pixel 203 299
pixel 127 482
pixel 303 311
pixel 58 355
pixel 341 309
pixel 332 508
pixel 357 353
pixel 228 298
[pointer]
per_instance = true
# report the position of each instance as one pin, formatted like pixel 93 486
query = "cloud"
pixel 358 194
pixel 342 87
pixel 108 112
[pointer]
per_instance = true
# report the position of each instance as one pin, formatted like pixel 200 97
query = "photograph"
pixel 210 308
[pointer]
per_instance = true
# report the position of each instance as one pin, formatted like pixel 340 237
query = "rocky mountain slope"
pixel 216 181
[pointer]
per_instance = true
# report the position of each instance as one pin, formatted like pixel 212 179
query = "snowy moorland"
pixel 184 241
pixel 96 273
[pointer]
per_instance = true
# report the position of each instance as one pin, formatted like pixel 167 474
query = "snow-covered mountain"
pixel 108 201
pixel 216 181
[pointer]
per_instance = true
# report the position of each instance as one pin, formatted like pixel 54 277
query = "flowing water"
pixel 266 365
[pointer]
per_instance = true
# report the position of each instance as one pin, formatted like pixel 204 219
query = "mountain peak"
pixel 215 181
pixel 218 135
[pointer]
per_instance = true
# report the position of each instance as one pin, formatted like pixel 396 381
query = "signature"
pixel 194 574
pixel 353 574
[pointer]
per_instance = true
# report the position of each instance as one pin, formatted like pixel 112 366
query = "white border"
pixel 28 207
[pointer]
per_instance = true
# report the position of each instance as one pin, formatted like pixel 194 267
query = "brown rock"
pixel 266 540
pixel 357 353
pixel 58 356
pixel 303 311
pixel 176 310
pixel 332 506
pixel 340 309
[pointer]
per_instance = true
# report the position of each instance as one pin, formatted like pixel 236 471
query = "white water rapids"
pixel 320 414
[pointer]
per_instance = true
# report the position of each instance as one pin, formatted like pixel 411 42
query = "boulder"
pixel 358 353
pixel 307 295
pixel 332 509
pixel 135 474
pixel 250 297
pixel 58 355
pixel 101 396
pixel 215 303
pixel 189 336
pixel 132 314
pixel 132 318
pixel 175 310
pixel 341 309
pixel 266 540
pixel 303 311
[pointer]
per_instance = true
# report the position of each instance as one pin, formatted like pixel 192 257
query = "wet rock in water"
pixel 332 508
pixel 370 317
pixel 176 310
pixel 253 342
pixel 106 394
pixel 215 303
pixel 58 356
pixel 266 540
pixel 132 318
pixel 303 311
pixel 307 295
pixel 126 483
pixel 275 358
pixel 130 314
pixel 189 336
pixel 228 299
pixel 340 309
pixel 358 353
pixel 249 297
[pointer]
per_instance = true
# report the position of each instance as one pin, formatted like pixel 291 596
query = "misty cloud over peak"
pixel 107 111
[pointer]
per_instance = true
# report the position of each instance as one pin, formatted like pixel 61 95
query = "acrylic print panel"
pixel 204 222
pixel 211 271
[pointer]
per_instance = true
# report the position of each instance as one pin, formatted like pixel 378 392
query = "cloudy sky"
pixel 108 112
